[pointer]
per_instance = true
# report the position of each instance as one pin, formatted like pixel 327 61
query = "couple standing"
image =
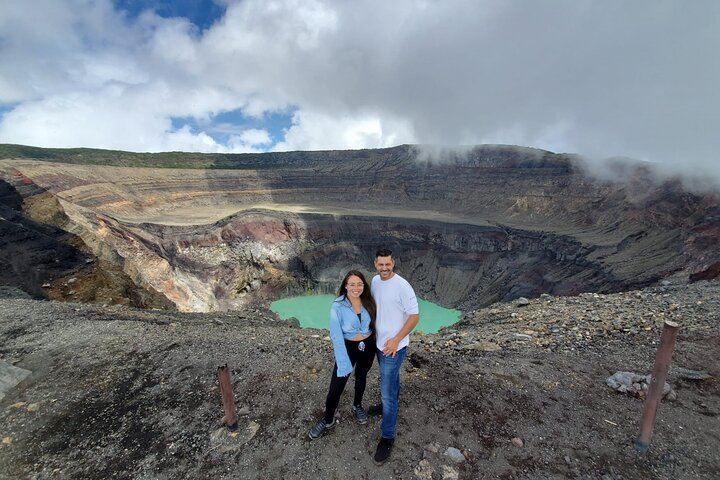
pixel 360 320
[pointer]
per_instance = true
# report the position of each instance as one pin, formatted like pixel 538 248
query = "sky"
pixel 607 78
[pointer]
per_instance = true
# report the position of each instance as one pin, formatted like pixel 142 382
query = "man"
pixel 397 315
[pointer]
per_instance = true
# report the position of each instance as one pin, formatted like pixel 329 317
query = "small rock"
pixel 455 455
pixel 293 322
pixel 433 447
pixel 522 336
pixel 450 473
pixel 518 442
pixel 688 374
pixel 522 301
pixel 424 471
pixel 634 384
pixel 231 441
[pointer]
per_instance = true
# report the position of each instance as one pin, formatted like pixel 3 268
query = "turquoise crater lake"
pixel 313 311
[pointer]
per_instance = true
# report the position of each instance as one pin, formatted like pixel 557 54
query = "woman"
pixel 352 321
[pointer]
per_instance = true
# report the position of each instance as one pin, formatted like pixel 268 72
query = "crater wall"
pixel 495 224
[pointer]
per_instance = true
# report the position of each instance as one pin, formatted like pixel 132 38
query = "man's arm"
pixel 391 346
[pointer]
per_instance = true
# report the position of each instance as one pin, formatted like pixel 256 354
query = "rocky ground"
pixel 512 391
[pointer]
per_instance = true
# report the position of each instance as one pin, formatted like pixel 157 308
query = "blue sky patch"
pixel 202 13
pixel 224 125
pixel 6 107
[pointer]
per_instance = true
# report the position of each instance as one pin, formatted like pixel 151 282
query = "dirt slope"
pixel 122 393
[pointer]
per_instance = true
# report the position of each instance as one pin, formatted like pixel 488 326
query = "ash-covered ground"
pixel 512 391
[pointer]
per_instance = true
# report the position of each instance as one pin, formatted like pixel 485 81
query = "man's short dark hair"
pixel 383 252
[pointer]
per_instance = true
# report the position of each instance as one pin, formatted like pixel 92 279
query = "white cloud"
pixel 49 47
pixel 255 137
pixel 184 140
pixel 600 78
pixel 317 131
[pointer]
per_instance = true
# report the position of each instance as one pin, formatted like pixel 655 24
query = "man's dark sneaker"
pixel 375 410
pixel 382 454
pixel 359 414
pixel 320 428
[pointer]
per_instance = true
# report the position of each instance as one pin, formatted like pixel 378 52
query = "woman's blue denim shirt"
pixel 344 324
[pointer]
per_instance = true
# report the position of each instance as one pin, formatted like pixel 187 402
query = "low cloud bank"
pixel 695 176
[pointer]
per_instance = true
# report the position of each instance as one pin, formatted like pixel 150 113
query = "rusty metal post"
pixel 657 382
pixel 230 418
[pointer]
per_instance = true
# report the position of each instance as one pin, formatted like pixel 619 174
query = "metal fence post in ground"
pixel 231 419
pixel 657 382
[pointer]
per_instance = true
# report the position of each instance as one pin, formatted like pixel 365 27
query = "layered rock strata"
pixel 495 224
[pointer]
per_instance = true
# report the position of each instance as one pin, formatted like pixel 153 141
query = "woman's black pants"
pixel 362 360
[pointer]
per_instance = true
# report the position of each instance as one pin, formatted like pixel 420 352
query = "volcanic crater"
pixel 515 390
pixel 491 224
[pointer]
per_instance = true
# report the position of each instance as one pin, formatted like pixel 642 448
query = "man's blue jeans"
pixel 390 390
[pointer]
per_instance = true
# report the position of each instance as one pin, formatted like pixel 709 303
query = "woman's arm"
pixel 344 367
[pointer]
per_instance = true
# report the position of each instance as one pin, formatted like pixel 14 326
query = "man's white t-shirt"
pixel 396 301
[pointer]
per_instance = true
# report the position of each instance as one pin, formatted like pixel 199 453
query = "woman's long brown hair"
pixel 365 297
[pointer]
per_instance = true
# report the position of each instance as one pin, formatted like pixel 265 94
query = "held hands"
pixel 391 346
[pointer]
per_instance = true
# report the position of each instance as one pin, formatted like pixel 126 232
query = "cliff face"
pixel 495 224
pixel 31 251
pixel 40 254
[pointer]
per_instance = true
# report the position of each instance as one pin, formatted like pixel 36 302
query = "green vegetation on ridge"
pixel 269 160
pixel 484 156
